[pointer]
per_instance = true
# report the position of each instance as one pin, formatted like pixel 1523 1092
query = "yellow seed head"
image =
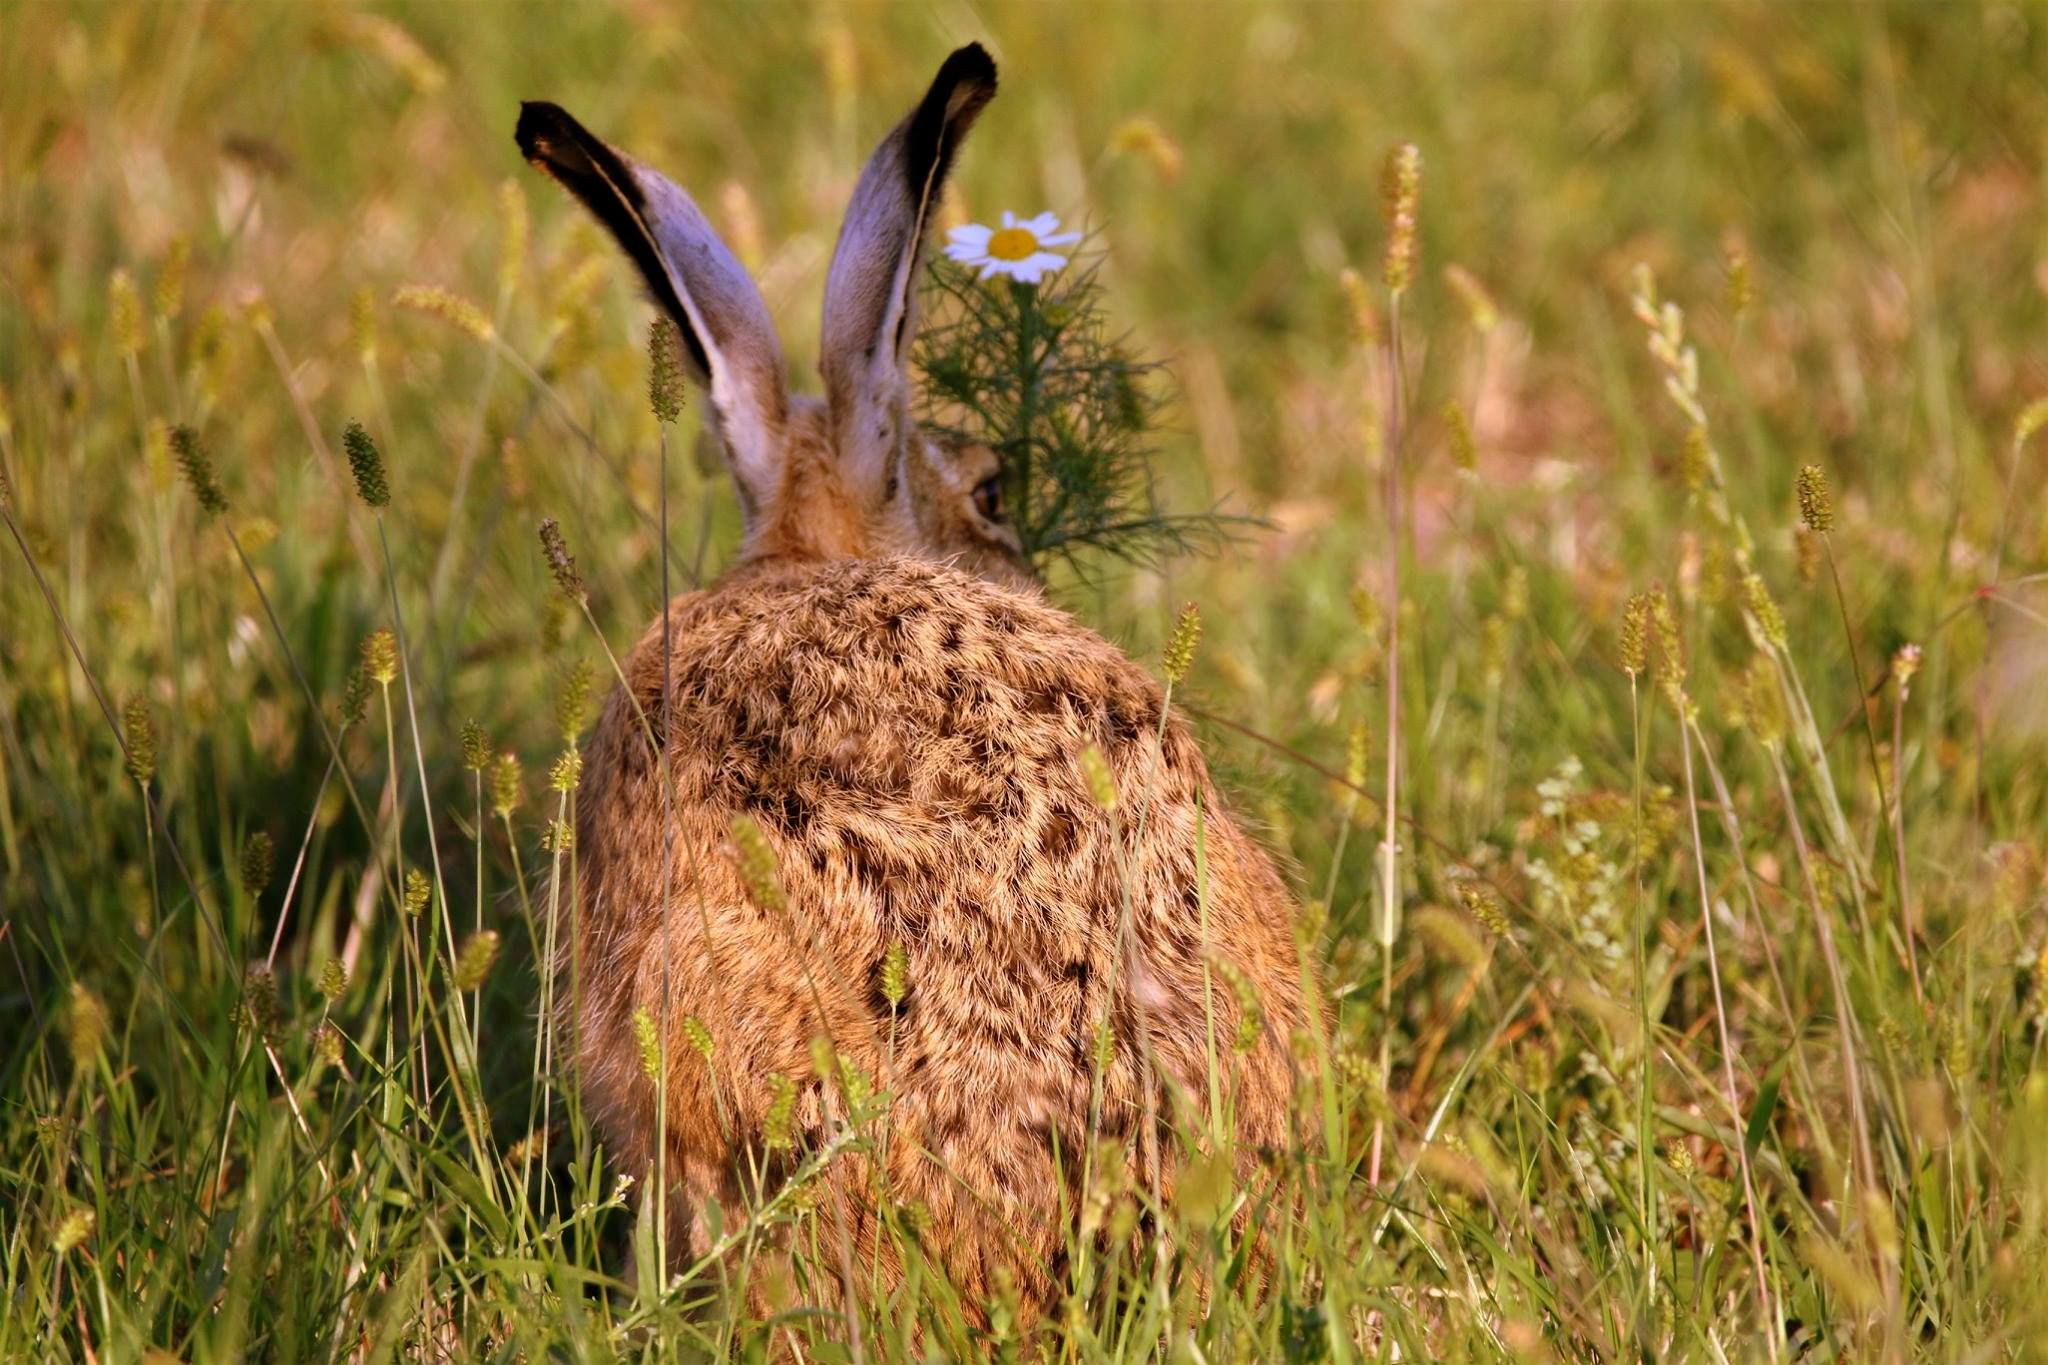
pixel 170 279
pixel 138 736
pixel 124 314
pixel 1357 746
pixel 778 1126
pixel 327 1044
pixel 1358 309
pixel 1180 648
pixel 476 747
pixel 1101 781
pixel 572 702
pixel 333 979
pixel 558 837
pixel 648 1040
pixel 758 868
pixel 85 1025
pixel 1142 137
pixel 72 1231
pixel 1806 544
pixel 1696 460
pixel 1741 276
pixel 1400 193
pixel 453 309
pixel 380 656
pixel 1905 663
pixel 566 773
pixel 1816 502
pixel 418 891
pixel 698 1036
pixel 895 974
pixel 1757 597
pixel 1635 635
pixel 2032 418
pixel 505 786
pixel 1763 705
pixel 479 955
pixel 1251 1015
pixel 1482 902
pixel 1458 436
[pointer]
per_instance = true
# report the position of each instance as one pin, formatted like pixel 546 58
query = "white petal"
pixel 1043 223
pixel 990 268
pixel 1060 239
pixel 970 234
pixel 1044 262
pixel 1009 219
pixel 966 255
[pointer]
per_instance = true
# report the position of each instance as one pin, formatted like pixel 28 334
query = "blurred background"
pixel 265 221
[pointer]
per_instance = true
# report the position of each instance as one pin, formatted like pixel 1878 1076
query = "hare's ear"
pixel 727 335
pixel 871 290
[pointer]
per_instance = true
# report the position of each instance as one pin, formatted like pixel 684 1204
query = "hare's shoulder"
pixel 921 690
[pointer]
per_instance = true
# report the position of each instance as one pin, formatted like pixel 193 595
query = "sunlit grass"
pixel 1687 956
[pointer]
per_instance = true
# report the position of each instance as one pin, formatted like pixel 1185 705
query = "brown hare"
pixel 880 688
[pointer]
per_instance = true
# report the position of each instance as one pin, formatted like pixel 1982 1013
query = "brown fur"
pixel 880 686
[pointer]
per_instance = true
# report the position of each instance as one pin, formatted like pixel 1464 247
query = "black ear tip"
pixel 969 65
pixel 542 122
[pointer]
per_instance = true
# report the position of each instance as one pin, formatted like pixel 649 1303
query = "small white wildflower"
pixel 1017 249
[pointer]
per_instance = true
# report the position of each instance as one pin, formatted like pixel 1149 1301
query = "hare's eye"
pixel 988 498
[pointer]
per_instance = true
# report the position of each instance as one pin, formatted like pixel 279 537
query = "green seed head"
pixel 124 314
pixel 85 1025
pixel 758 870
pixel 1816 501
pixel 561 564
pixel 476 747
pixel 778 1127
pixel 138 735
pixel 698 1035
pixel 895 974
pixel 418 891
pixel 259 863
pixel 1757 597
pixel 367 463
pixel 380 656
pixel 1400 193
pixel 333 979
pixel 1101 781
pixel 197 465
pixel 665 371
pixel 648 1040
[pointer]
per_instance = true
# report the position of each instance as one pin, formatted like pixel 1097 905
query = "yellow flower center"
pixel 1012 244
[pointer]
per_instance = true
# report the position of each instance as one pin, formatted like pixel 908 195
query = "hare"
pixel 880 689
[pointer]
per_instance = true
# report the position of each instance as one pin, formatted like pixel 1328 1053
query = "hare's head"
pixel 853 474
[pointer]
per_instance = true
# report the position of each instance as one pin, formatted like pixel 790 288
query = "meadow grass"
pixel 1675 882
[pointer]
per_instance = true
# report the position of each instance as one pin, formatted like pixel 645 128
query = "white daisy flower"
pixel 1016 249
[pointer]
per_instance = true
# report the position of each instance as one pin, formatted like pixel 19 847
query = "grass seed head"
pixel 1458 436
pixel 1816 501
pixel 169 297
pixel 85 1025
pixel 566 773
pixel 665 371
pixel 1101 781
pixel 1141 136
pixel 758 868
pixel 197 464
pixel 1480 309
pixel 895 974
pixel 1741 273
pixel 572 702
pixel 1180 647
pixel 418 891
pixel 561 564
pixel 333 980
pixel 505 785
pixel 479 955
pixel 450 307
pixel 1363 318
pixel 778 1126
pixel 647 1039
pixel 138 737
pixel 1756 596
pixel 124 314
pixel 698 1036
pixel 71 1232
pixel 355 695
pixel 476 747
pixel 1635 635
pixel 366 462
pixel 380 656
pixel 1905 663
pixel 1400 193
pixel 259 863
pixel 327 1044
pixel 2032 418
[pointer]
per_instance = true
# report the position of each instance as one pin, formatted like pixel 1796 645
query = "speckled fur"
pixel 910 739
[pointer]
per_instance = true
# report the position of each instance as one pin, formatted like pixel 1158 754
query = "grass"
pixel 1706 1020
